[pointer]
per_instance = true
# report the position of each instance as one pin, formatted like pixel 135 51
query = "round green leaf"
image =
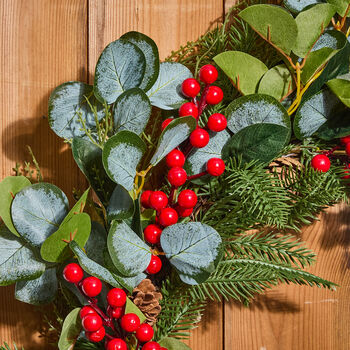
pixel 165 93
pixel 341 88
pixel 120 67
pixel 37 212
pixel 121 205
pixel 9 187
pixel 260 142
pixel 150 50
pixel 128 252
pixel 96 243
pixel 244 70
pixel 255 109
pixel 341 6
pixel 173 344
pixel 121 155
pixel 17 260
pixel 78 207
pixel 131 308
pixel 297 6
pixel 132 111
pixel 272 22
pixel 71 329
pixel 66 103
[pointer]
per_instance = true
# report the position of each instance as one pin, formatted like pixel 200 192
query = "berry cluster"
pixel 95 321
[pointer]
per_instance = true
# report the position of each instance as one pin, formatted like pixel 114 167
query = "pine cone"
pixel 279 165
pixel 146 297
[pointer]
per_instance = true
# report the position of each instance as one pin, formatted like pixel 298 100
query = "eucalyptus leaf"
pixel 172 136
pixel 17 259
pixel 132 111
pixel 131 308
pixel 165 93
pixel 255 109
pixel 261 142
pixel 71 329
pixel 42 290
pixel 341 88
pixel 37 211
pixel 150 50
pixel 96 243
pixel 89 159
pixel 340 5
pixel 67 103
pixel 244 70
pixel 274 23
pixel 128 252
pixel 9 187
pixel 297 6
pixel 136 222
pixel 55 248
pixel 173 344
pixel 120 67
pixel 335 127
pixel 121 205
pixel 277 82
pixel 93 268
pixel 78 207
pixel 121 155
pixel 311 23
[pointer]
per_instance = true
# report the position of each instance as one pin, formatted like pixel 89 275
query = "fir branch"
pixel 5 346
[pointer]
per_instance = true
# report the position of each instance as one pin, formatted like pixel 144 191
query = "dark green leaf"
pixel 337 126
pixel 96 243
pixel 130 307
pixel 173 344
pixel 78 207
pixel 121 205
pixel 136 224
pixel 340 5
pixel 71 329
pixel 341 88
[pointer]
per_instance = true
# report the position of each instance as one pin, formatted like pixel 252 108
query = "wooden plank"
pixel 293 317
pixel 43 43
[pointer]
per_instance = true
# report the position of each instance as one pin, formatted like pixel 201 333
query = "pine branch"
pixel 7 347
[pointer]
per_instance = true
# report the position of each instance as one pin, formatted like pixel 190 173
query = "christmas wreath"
pixel 245 129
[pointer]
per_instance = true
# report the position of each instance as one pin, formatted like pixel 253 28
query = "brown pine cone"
pixel 283 164
pixel 146 297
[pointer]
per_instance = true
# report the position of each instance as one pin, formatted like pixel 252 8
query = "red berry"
pixel 184 212
pixel 208 74
pixel 168 216
pixel 187 109
pixel 215 166
pixel 190 87
pixel 86 310
pixel 175 159
pixel 130 322
pixel 144 333
pixel 166 122
pixel 199 138
pixel 177 176
pixel 187 199
pixel 158 200
pixel 152 234
pixel 117 344
pixel 73 273
pixel 91 286
pixel 97 336
pixel 347 149
pixel 344 140
pixel 214 95
pixel 117 312
pixel 92 322
pixel 116 297
pixel 154 266
pixel 152 345
pixel 217 122
pixel 145 199
pixel 161 348
pixel 321 163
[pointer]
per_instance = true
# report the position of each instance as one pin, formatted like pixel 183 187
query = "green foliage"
pixel 7 347
pixel 71 329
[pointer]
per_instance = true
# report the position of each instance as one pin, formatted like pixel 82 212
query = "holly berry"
pixel 188 109
pixel 117 344
pixel 168 216
pixel 86 310
pixel 144 333
pixel 177 176
pixel 217 122
pixel 91 286
pixel 184 212
pixel 175 158
pixel 190 87
pixel 92 322
pixel 152 234
pixel 117 312
pixel 161 348
pixel 130 322
pixel 215 166
pixel 321 162
pixel 145 199
pixel 73 273
pixel 199 138
pixel 187 199
pixel 154 266
pixel 214 95
pixel 208 74
pixel 345 140
pixel 166 122
pixel 152 345
pixel 116 297
pixel 97 336
pixel 347 148
pixel 158 200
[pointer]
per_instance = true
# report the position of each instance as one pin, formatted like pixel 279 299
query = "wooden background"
pixel 47 42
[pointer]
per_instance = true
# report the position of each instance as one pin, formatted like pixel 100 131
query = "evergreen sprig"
pixel 5 346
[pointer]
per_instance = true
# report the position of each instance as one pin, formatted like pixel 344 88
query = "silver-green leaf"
pixel 121 205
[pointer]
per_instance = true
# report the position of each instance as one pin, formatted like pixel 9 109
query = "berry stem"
pixel 331 151
pixel 202 102
pixel 196 176
pixel 172 195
